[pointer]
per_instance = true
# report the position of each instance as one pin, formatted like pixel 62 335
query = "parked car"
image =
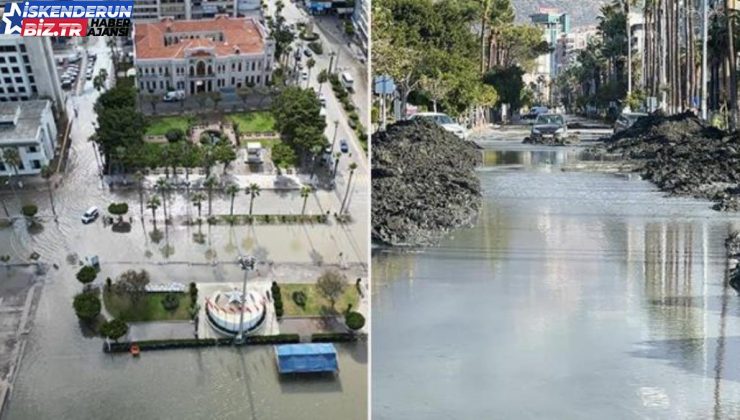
pixel 307 52
pixel 174 96
pixel 304 75
pixel 90 215
pixel 626 120
pixel 444 121
pixel 344 146
pixel 549 125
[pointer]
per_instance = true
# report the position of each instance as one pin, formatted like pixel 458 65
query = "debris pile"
pixel 424 183
pixel 684 156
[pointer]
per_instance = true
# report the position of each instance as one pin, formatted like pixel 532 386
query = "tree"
pixel 197 200
pixel 253 190
pixel 298 119
pixel 331 285
pixel 139 179
pixel 216 98
pixel 114 329
pixel 354 320
pixel 435 87
pixel 201 99
pixel 29 211
pixel 305 193
pixel 210 184
pixel 352 167
pixel 87 274
pixel 225 154
pixel 12 158
pixel 283 156
pixel 152 100
pixel 47 173
pixel 153 203
pixel 322 78
pixel 134 283
pixel 244 93
pixel 100 80
pixel 120 125
pixel 163 187
pixel 309 64
pixel 87 306
pixel 118 209
pixel 232 190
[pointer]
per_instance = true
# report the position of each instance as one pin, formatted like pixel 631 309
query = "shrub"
pixel 193 290
pixel 118 209
pixel 277 299
pixel 332 337
pixel 87 306
pixel 348 106
pixel 170 302
pixel 299 297
pixel 316 47
pixel 174 135
pixel 29 210
pixel 114 329
pixel 354 321
pixel 86 274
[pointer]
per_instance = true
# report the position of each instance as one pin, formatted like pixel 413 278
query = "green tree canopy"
pixel 87 306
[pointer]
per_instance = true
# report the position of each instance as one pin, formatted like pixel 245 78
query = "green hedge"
pixel 200 342
pixel 333 337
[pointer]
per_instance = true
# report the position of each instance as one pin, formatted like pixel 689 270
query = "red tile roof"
pixel 238 33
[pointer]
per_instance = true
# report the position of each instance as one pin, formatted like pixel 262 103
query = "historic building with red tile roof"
pixel 207 55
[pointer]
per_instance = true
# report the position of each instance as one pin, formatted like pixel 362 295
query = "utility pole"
pixel 704 79
pixel 246 263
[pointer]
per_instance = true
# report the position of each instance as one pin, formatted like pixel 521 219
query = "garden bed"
pixel 316 305
pixel 149 307
pixel 159 126
pixel 253 122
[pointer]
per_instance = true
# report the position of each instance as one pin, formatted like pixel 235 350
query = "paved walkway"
pixel 160 330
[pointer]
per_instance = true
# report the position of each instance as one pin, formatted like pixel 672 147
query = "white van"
pixel 90 215
pixel 347 81
pixel 174 96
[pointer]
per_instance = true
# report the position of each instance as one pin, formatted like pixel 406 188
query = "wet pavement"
pixel 63 362
pixel 576 296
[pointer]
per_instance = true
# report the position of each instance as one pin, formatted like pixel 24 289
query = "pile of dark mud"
pixel 424 184
pixel 684 156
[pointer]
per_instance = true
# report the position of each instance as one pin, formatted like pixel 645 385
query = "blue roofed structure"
pixel 305 358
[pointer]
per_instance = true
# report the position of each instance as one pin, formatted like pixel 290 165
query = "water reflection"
pixel 576 295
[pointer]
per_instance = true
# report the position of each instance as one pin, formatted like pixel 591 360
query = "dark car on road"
pixel 626 120
pixel 549 125
pixel 343 146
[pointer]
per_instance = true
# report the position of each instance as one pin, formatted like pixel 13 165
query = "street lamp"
pixel 246 263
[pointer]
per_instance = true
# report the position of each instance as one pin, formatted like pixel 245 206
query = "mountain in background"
pixel 582 12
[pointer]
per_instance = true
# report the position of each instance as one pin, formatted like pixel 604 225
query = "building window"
pixel 253 65
pixel 23 47
pixel 2 167
pixel 8 80
pixel 32 149
pixel 20 166
pixel 25 58
pixel 13 59
pixel 36 164
pixel 19 80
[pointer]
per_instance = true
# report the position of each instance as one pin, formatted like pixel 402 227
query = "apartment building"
pixel 29 128
pixel 28 70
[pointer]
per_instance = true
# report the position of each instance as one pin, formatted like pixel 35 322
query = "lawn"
pixel 253 122
pixel 315 303
pixel 159 126
pixel 149 307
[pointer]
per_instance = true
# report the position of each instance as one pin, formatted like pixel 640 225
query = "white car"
pixel 90 215
pixel 444 121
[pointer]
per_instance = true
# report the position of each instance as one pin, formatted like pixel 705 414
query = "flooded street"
pixel 576 296
pixel 65 374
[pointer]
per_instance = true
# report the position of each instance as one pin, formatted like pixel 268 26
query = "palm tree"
pixel 153 203
pixel 352 167
pixel 310 63
pixel 12 158
pixel 322 78
pixel 163 187
pixel 210 183
pixel 139 178
pixel 47 173
pixel 197 200
pixel 253 190
pixel 232 190
pixel 337 155
pixel 305 193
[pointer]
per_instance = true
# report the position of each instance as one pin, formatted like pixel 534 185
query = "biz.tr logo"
pixel 68 18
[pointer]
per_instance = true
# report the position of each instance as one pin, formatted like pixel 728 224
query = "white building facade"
pixel 153 10
pixel 202 56
pixel 28 70
pixel 361 21
pixel 29 128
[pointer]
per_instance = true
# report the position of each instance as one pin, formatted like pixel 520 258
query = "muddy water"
pixel 576 296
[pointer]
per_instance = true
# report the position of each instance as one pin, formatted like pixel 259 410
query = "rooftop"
pixel 20 121
pixel 222 35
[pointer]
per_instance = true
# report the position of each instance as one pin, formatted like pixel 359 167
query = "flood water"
pixel 576 296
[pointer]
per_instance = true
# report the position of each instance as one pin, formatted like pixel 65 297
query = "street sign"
pixel 384 85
